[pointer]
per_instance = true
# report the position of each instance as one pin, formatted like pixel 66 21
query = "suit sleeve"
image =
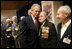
pixel 23 33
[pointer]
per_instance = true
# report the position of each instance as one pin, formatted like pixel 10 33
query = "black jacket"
pixel 28 33
pixel 67 33
pixel 49 42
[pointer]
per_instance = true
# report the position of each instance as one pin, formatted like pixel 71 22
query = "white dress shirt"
pixel 33 18
pixel 64 27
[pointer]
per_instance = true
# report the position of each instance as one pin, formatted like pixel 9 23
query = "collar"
pixel 32 17
pixel 67 24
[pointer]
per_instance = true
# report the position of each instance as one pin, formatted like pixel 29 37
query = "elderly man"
pixel 64 27
pixel 14 26
pixel 15 29
pixel 29 28
pixel 8 33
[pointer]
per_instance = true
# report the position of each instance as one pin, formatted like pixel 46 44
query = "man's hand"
pixel 15 36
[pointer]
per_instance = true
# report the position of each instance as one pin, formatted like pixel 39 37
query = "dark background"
pixel 24 10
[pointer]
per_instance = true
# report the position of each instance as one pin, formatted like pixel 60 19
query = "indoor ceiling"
pixel 13 5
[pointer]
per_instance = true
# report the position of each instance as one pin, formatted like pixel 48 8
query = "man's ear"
pixel 66 14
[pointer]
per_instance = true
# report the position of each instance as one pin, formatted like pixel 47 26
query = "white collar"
pixel 32 17
pixel 67 24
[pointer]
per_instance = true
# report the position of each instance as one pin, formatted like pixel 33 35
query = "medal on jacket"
pixel 16 29
pixel 9 29
pixel 45 32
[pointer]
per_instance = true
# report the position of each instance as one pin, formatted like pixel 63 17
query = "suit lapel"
pixel 32 22
pixel 37 26
pixel 59 31
pixel 67 32
pixel 33 25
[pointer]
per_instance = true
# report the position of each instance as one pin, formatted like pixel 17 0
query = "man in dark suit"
pixel 64 27
pixel 29 29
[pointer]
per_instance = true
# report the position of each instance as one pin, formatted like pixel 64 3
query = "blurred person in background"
pixel 15 29
pixel 8 34
pixel 22 18
pixel 29 12
pixel 3 37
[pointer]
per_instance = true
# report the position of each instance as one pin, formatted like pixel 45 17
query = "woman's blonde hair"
pixel 29 12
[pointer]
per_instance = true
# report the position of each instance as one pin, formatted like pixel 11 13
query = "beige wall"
pixel 56 5
pixel 8 13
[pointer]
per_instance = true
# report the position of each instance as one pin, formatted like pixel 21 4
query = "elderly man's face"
pixel 61 16
pixel 36 11
pixel 42 17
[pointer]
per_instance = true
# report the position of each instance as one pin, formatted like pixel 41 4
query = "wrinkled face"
pixel 42 17
pixel 61 16
pixel 36 11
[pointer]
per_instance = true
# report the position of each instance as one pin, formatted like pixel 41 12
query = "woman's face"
pixel 42 17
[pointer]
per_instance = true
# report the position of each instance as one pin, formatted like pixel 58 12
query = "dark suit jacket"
pixel 52 39
pixel 67 33
pixel 28 33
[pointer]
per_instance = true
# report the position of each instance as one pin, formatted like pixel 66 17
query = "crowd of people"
pixel 35 31
pixel 9 31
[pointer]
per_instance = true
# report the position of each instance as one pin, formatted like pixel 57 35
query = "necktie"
pixel 35 23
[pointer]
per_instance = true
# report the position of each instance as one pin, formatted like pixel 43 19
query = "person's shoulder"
pixel 51 23
pixel 27 17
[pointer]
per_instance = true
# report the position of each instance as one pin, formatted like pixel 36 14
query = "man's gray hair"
pixel 32 7
pixel 8 20
pixel 65 9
